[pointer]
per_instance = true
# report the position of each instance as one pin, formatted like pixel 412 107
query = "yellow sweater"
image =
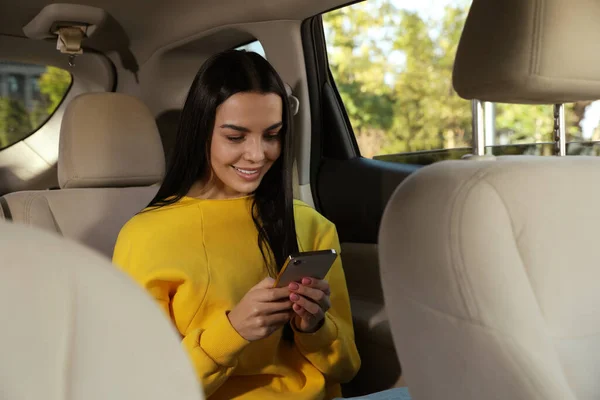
pixel 198 258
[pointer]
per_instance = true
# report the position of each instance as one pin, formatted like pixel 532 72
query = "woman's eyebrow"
pixel 246 130
pixel 274 126
pixel 235 128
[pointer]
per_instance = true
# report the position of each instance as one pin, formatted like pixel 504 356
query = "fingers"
pixel 300 311
pixel 311 307
pixel 275 307
pixel 316 284
pixel 266 283
pixel 273 320
pixel 272 294
pixel 264 292
pixel 316 295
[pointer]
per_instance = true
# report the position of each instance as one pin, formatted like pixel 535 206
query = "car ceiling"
pixel 152 24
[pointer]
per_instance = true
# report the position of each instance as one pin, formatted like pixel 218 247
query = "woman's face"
pixel 245 143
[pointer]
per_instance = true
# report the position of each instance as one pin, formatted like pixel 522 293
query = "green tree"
pixel 411 105
pixel 359 66
pixel 54 84
pixel 38 113
pixel 522 123
pixel 398 106
pixel 14 121
pixel 429 113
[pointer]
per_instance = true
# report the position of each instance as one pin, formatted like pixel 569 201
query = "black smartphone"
pixel 309 264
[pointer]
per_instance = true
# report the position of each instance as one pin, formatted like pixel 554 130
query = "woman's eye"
pixel 272 136
pixel 235 139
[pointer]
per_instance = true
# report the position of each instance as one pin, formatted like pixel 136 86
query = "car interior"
pixel 466 218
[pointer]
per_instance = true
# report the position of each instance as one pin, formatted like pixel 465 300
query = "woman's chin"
pixel 240 189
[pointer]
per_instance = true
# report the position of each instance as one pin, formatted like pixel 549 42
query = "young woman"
pixel 220 227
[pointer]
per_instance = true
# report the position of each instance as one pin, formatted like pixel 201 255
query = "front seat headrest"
pixel 530 52
pixel 75 327
pixel 109 140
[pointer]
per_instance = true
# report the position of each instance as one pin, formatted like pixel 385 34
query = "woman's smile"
pixel 249 174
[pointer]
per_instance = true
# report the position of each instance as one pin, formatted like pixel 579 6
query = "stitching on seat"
pixel 536 38
pixel 28 207
pixel 512 228
pixel 540 310
pixel 456 257
pixel 56 226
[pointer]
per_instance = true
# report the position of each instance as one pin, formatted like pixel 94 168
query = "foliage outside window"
pixel 392 63
pixel 29 94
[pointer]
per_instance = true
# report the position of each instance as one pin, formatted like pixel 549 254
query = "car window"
pixel 254 46
pixel 392 62
pixel 29 94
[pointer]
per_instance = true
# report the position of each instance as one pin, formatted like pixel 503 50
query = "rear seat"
pixel 110 159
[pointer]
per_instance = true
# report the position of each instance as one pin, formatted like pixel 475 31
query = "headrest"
pixel 75 324
pixel 530 52
pixel 109 140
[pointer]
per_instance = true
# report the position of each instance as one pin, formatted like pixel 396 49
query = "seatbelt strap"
pixel 5 209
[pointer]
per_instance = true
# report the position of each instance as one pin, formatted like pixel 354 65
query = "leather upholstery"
pixel 90 216
pixel 491 280
pixel 530 51
pixel 75 327
pixel 109 140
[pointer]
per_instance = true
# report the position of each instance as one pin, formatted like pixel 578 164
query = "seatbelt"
pixel 5 209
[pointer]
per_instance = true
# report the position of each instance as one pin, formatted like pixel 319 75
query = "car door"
pixel 354 169
pixel 383 105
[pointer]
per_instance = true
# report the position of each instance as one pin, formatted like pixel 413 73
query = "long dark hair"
pixel 219 78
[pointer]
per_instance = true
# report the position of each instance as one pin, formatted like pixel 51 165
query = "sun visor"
pixel 530 52
pixel 77 26
pixel 54 16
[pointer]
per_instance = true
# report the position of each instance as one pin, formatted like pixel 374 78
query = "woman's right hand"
pixel 261 311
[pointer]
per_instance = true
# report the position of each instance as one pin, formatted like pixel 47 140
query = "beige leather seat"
pixel 76 328
pixel 492 280
pixel 110 154
pixel 489 269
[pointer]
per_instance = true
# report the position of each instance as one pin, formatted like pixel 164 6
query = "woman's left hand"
pixel 310 303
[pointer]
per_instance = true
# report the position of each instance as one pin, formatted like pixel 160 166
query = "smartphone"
pixel 309 264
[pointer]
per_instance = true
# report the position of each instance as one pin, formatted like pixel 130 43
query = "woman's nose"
pixel 255 150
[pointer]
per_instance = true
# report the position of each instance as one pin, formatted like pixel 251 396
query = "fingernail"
pixel 294 297
pixel 306 281
pixel 294 286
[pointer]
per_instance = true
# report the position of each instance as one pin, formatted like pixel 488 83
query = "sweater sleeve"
pixel 332 349
pixel 214 348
